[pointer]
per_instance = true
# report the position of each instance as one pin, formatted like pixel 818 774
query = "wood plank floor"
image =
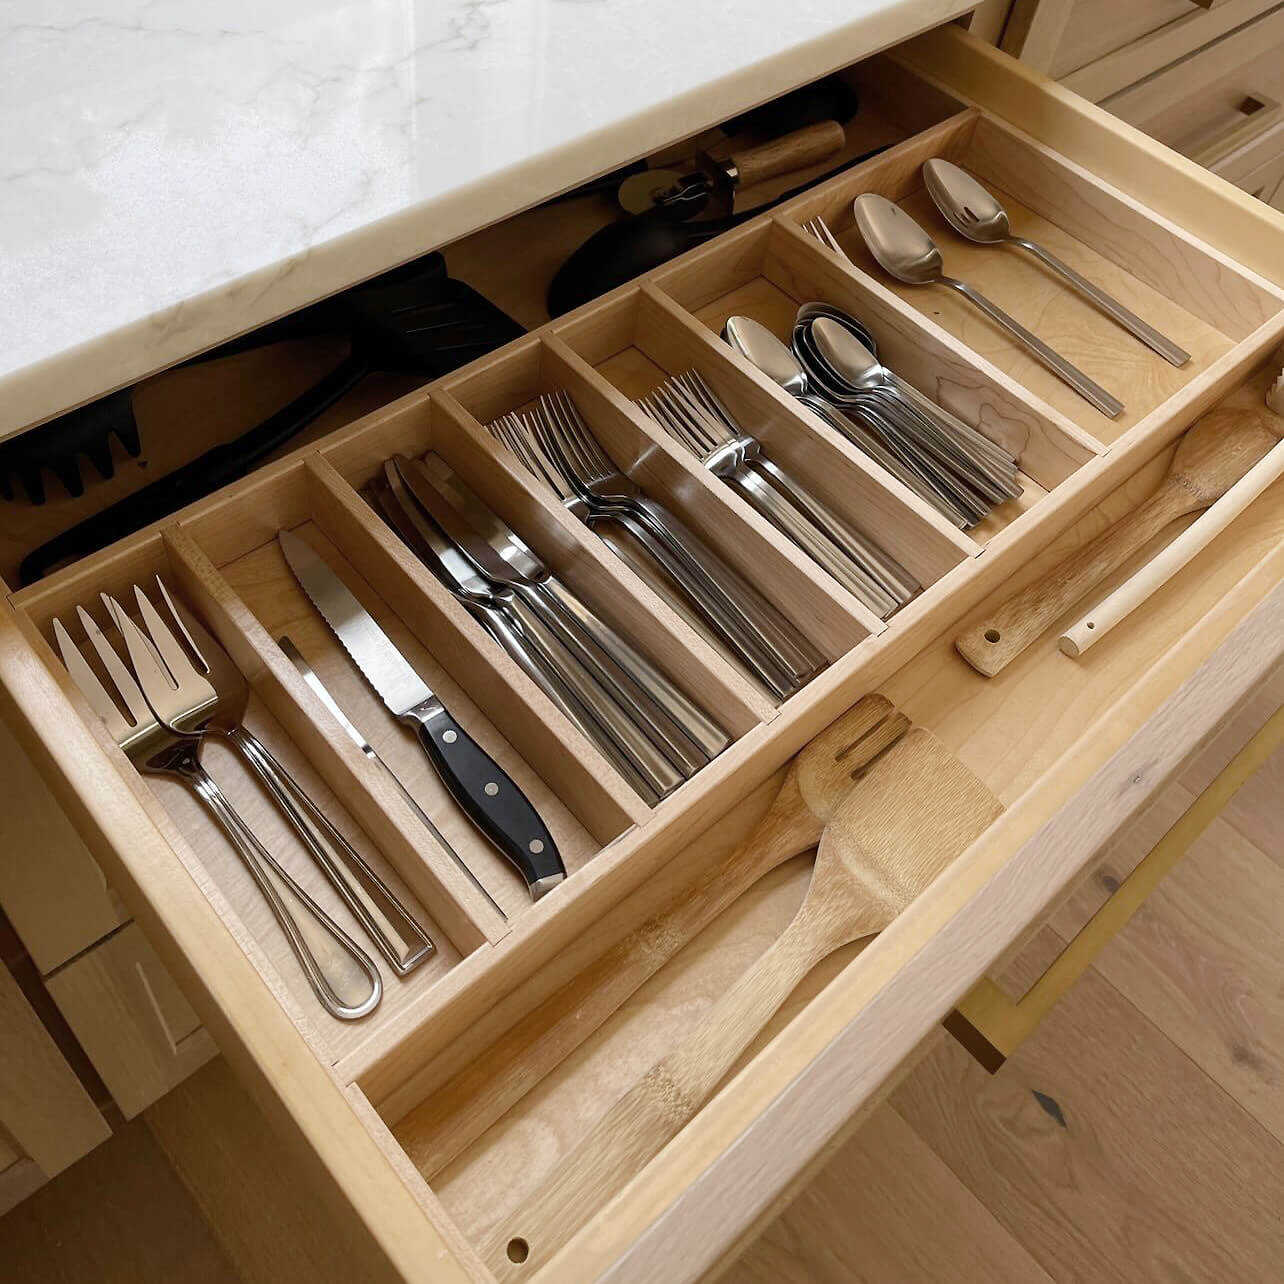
pixel 1138 1136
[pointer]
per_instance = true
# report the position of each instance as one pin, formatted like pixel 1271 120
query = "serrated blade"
pixel 382 665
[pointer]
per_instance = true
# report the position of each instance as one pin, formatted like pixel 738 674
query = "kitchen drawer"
pixel 438 1115
pixel 1098 47
pixel 1222 106
pixel 47 1119
pixel 131 1019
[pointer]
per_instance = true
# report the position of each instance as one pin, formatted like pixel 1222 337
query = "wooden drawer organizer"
pixel 440 1112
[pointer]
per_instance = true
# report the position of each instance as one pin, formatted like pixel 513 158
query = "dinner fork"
pixel 820 230
pixel 342 977
pixel 205 669
pixel 747 618
pixel 692 413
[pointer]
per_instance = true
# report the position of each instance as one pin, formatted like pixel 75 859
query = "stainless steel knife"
pixel 485 792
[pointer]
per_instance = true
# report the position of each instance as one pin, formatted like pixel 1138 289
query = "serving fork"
pixel 692 413
pixel 165 739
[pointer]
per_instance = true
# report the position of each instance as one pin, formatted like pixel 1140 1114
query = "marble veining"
pixel 173 173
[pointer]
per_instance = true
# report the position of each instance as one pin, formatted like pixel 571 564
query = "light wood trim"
pixel 127 1013
pixel 43 1105
pixel 1259 114
pixel 1159 48
pixel 1244 229
pixel 1005 1023
pixel 302 1097
pixel 698 1201
pixel 1034 30
pixel 51 890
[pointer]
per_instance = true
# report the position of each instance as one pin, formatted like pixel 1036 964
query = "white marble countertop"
pixel 176 172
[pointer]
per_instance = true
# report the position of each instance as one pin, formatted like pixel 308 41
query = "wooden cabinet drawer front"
pixel 47 1119
pixel 1098 47
pixel 131 1018
pixel 432 1120
pixel 1221 105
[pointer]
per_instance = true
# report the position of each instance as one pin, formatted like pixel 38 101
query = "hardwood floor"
pixel 1138 1136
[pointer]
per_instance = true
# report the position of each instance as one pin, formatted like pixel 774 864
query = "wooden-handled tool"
pixel 911 813
pixel 1213 455
pixel 455 1115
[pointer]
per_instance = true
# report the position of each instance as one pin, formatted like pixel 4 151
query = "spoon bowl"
pixel 761 348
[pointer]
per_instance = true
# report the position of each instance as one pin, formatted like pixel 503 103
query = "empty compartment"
pixel 1188 292
pixel 641 339
pixel 768 271
pixel 830 621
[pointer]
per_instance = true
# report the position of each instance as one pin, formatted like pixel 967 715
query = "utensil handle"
pixel 1108 304
pixel 799 529
pixel 897 579
pixel 402 942
pixel 806 146
pixel 488 796
pixel 682 712
pixel 341 975
pixel 624 740
pixel 1067 372
pixel 1003 633
pixel 657 1107
pixel 1103 617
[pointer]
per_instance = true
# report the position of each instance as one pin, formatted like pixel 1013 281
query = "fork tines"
pixel 820 230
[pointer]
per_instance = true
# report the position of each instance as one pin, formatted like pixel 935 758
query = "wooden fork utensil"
pixel 908 816
pixel 454 1116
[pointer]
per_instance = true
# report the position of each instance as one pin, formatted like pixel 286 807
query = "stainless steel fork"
pixel 343 978
pixel 204 668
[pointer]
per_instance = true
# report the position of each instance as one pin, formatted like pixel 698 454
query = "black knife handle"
pixel 489 797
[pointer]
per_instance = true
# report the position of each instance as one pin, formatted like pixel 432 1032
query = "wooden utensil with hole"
pixel 1213 455
pixel 454 1116
pixel 911 813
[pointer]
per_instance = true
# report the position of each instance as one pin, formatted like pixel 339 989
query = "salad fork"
pixel 205 669
pixel 345 981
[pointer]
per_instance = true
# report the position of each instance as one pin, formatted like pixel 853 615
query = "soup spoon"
pixel 974 213
pixel 905 251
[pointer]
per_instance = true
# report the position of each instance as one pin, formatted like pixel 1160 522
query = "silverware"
pixel 481 787
pixel 820 230
pixel 308 674
pixel 507 615
pixel 665 702
pixel 976 214
pixel 692 414
pixel 556 447
pixel 905 251
pixel 204 665
pixel 343 978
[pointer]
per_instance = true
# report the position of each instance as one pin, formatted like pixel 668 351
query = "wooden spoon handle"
pixel 454 1116
pixel 656 1108
pixel 991 643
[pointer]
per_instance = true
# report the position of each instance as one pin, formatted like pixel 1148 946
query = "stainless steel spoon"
pixel 976 214
pixel 906 252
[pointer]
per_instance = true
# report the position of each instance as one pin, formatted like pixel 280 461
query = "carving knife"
pixel 484 791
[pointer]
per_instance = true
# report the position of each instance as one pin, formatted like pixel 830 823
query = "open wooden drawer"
pixel 438 1114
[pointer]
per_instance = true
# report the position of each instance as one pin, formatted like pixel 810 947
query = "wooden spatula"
pixel 1213 455
pixel 455 1115
pixel 908 816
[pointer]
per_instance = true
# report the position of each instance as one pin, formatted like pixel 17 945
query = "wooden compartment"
pixel 767 271
pixel 830 618
pixel 461 1095
pixel 1188 291
pixel 638 339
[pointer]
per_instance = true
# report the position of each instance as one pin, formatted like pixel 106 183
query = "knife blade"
pixel 484 791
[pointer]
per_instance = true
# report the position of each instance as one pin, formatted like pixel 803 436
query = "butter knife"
pixel 484 791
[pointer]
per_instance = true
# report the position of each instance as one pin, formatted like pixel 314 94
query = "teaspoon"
pixel 905 251
pixel 974 213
